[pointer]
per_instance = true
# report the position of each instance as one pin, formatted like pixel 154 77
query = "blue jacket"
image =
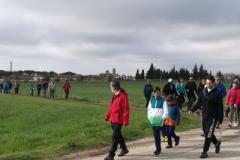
pixel 147 91
pixel 222 89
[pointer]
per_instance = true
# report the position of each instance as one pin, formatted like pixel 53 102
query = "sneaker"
pixel 123 152
pixel 204 155
pixel 218 146
pixel 166 139
pixel 163 139
pixel 169 146
pixel 177 141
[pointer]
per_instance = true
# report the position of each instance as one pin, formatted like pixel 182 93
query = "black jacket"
pixel 211 105
pixel 170 88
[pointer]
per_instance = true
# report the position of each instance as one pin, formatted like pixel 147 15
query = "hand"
pixel 107 116
pixel 235 105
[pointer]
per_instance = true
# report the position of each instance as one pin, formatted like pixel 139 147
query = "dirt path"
pixel 190 148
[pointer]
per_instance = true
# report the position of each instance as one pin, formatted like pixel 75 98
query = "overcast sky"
pixel 92 36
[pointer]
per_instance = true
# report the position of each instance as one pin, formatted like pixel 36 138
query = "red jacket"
pixel 233 97
pixel 66 87
pixel 119 109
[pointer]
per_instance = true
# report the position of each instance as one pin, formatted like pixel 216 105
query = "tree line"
pixel 198 72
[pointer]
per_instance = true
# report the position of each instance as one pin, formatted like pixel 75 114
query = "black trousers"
pixel 147 100
pixel 66 94
pixel 157 135
pixel 181 100
pixel 39 91
pixel 191 100
pixel 117 138
pixel 208 129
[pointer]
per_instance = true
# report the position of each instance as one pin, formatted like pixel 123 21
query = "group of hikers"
pixel 164 108
pixel 45 86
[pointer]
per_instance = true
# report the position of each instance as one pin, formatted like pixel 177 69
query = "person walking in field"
pixel 10 85
pixel 147 91
pixel 211 100
pixel 222 89
pixel 191 89
pixel 16 86
pixel 5 87
pixel 181 92
pixel 45 88
pixel 233 103
pixel 52 89
pixel 172 120
pixel 39 88
pixel 156 116
pixel 66 88
pixel 169 88
pixel 118 114
pixel 31 89
pixel 233 80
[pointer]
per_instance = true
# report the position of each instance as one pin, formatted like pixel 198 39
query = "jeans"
pixel 171 134
pixel 233 111
pixel 157 135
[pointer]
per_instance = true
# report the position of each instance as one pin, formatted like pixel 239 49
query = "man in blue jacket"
pixel 147 91
pixel 222 89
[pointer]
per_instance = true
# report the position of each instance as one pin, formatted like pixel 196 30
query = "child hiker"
pixel 156 115
pixel 171 120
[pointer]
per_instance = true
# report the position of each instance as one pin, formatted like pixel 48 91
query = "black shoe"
pixel 123 152
pixel 156 153
pixel 177 141
pixel 218 146
pixel 109 158
pixel 202 135
pixel 169 146
pixel 204 155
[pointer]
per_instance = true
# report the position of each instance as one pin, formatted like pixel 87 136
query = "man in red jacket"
pixel 66 88
pixel 118 114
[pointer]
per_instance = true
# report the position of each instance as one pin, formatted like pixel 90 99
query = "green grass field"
pixel 41 128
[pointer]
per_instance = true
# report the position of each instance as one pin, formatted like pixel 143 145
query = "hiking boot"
pixel 169 146
pixel 177 141
pixel 204 155
pixel 218 146
pixel 110 157
pixel 123 152
pixel 156 153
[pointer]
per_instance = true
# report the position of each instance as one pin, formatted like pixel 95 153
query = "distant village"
pixel 30 75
